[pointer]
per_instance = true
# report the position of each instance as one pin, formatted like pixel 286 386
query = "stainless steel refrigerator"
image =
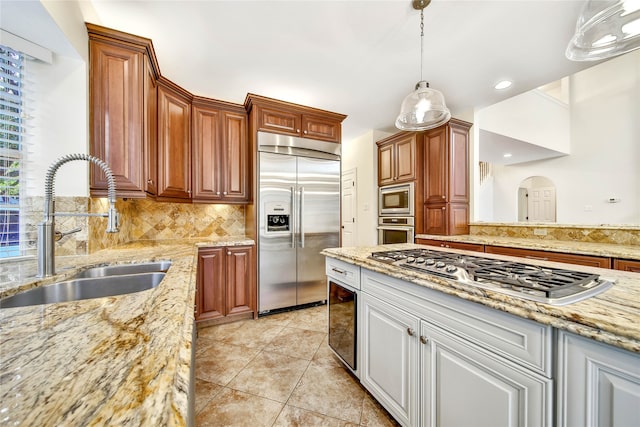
pixel 298 216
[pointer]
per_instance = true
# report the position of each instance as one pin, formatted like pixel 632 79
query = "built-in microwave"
pixel 396 200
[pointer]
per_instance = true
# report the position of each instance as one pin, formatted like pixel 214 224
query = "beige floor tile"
pixel 295 342
pixel 253 334
pixel 270 375
pixel 235 408
pixel 297 417
pixel 282 319
pixel 324 356
pixel 374 415
pixel 329 391
pixel 205 391
pixel 314 319
pixel 219 332
pixel 221 362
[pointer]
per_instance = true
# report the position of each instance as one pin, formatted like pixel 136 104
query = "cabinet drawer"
pixel 591 261
pixel 523 341
pixel 347 273
pixel 452 245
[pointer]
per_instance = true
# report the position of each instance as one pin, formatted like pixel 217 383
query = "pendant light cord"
pixel 421 40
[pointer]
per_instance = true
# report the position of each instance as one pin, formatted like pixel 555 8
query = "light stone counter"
pixel 122 360
pixel 613 317
pixel 566 246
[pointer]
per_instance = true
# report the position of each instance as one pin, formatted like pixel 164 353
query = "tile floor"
pixel 278 371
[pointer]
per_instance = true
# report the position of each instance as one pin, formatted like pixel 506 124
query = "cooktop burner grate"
pixel 539 283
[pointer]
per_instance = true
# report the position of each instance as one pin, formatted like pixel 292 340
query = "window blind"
pixel 11 132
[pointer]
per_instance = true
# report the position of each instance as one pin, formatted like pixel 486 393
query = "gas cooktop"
pixel 553 286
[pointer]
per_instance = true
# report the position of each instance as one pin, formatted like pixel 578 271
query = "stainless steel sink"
pixel 120 269
pixel 84 288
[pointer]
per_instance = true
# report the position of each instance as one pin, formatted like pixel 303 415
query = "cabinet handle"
pixel 424 339
pixel 338 270
pixel 411 332
pixel 537 257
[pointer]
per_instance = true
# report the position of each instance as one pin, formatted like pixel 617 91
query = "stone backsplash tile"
pixel 145 219
pixel 621 235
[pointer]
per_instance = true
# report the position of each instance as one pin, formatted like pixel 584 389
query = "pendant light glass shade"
pixel 605 29
pixel 423 109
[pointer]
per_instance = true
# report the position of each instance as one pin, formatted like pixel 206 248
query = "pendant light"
pixel 424 108
pixel 605 29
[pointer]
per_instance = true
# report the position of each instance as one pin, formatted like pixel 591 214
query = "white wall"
pixel 605 152
pixel 361 154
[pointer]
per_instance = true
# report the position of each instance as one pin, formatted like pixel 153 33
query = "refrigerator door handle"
pixel 301 214
pixel 293 220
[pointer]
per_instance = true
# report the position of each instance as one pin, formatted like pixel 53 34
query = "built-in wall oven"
pixel 393 229
pixel 396 200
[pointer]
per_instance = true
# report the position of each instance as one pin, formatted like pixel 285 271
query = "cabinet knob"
pixel 443 208
pixel 443 197
pixel 424 339
pixel 217 193
pixel 228 252
pixel 305 132
pixel 297 130
pixel 150 181
pixel 188 191
pixel 411 332
pixel 224 193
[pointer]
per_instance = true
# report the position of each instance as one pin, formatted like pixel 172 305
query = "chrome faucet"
pixel 46 233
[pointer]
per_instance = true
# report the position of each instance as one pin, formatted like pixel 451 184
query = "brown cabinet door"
pixel 151 130
pixel 174 144
pixel 321 128
pixel 405 160
pixel 592 261
pixel 435 219
pixel 458 217
pixel 436 171
pixel 116 110
pixel 207 154
pixel 627 265
pixel 458 164
pixel 241 293
pixel 279 121
pixel 385 164
pixel 210 290
pixel 235 165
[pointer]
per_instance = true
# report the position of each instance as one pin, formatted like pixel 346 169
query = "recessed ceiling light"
pixel 507 155
pixel 503 84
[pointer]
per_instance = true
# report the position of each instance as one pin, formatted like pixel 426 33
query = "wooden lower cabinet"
pixel 225 282
pixel 627 265
pixel 598 384
pixel 446 218
pixel 451 245
pixel 591 261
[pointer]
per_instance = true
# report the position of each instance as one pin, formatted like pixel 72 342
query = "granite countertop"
pixel 612 317
pixel 121 360
pixel 574 247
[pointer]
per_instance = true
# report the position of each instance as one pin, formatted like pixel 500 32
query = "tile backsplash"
pixel 614 234
pixel 140 219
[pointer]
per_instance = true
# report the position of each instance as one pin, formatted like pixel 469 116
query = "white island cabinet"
pixel 598 384
pixel 436 360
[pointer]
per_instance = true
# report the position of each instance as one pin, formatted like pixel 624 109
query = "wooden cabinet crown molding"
pixel 201 101
pixel 252 99
pixel 131 41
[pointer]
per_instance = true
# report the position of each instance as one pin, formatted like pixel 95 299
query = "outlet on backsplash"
pixel 540 231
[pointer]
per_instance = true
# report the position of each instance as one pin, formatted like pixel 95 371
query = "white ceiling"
pixel 358 58
pixel 494 147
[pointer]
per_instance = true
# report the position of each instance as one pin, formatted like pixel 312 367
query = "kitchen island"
pixel 439 351
pixel 121 360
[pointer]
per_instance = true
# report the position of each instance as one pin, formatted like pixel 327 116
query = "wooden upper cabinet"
pixel 220 152
pixel 122 74
pixel 174 141
pixel 151 130
pixel 397 159
pixel 285 118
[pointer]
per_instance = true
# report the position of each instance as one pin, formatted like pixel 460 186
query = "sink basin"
pixel 117 270
pixel 84 288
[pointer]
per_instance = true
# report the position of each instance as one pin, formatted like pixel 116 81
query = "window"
pixel 11 131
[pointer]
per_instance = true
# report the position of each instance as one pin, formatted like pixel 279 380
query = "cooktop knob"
pixel 420 260
pixel 430 261
pixel 439 264
pixel 450 268
pixel 410 259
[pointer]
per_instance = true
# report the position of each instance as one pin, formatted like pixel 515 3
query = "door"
pixel 318 223
pixel 462 385
pixel 542 204
pixel 349 198
pixel 390 358
pixel 276 246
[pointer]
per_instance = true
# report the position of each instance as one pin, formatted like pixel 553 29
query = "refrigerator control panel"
pixel 278 218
